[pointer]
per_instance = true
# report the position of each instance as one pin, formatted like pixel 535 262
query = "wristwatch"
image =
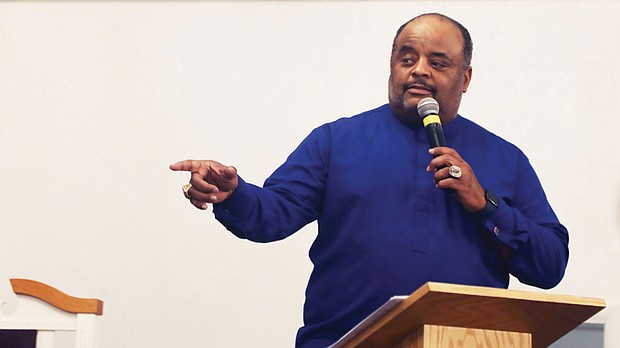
pixel 492 202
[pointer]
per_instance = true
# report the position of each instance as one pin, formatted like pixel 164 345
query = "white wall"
pixel 98 98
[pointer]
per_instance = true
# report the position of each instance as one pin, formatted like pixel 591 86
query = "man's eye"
pixel 407 61
pixel 439 64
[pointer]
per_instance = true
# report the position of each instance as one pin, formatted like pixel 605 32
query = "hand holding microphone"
pixel 451 171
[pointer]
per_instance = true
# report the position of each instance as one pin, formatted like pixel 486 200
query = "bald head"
pixel 430 58
pixel 468 46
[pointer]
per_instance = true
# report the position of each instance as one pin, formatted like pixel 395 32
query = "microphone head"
pixel 428 106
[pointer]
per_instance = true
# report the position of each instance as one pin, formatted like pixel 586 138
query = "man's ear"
pixel 467 78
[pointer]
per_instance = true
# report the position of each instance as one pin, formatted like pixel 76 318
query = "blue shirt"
pixel 385 229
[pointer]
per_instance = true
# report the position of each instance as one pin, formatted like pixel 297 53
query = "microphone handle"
pixel 434 132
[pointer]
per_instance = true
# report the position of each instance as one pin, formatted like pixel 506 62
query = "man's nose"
pixel 421 68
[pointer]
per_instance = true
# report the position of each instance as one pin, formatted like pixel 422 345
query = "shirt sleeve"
pixel 289 199
pixel 527 225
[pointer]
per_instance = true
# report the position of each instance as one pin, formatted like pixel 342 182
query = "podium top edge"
pixel 482 291
pixel 546 316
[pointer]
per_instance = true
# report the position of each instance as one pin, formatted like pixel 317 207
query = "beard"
pixel 406 108
pixel 397 96
pixel 398 101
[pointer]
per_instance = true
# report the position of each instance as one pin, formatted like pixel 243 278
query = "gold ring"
pixel 455 172
pixel 185 189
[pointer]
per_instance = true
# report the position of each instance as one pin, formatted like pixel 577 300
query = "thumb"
pixel 227 179
pixel 229 173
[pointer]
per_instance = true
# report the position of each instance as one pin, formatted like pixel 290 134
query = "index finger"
pixel 186 166
pixel 442 150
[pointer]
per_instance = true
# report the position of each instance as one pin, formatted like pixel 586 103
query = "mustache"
pixel 421 83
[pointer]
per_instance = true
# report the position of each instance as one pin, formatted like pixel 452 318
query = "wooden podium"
pixel 445 315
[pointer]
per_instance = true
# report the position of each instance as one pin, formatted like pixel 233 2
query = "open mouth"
pixel 419 89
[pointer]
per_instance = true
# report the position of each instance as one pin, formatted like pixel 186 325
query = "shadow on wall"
pixel 585 335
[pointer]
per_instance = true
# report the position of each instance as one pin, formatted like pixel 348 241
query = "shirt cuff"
pixel 501 224
pixel 236 206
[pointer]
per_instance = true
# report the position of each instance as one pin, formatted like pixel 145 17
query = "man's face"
pixel 427 61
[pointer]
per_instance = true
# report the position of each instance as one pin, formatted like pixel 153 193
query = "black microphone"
pixel 428 110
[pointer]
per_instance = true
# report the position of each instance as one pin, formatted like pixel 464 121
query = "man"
pixel 392 216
